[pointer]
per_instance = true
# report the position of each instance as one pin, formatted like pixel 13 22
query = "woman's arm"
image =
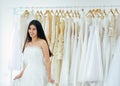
pixel 47 59
pixel 20 74
pixel 24 66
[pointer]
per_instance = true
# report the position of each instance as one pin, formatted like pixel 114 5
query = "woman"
pixel 37 65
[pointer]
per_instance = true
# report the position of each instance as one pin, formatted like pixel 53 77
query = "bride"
pixel 36 53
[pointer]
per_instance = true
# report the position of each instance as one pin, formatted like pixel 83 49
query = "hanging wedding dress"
pixel 52 46
pixel 113 78
pixel 88 52
pixel 81 26
pixel 56 62
pixel 71 40
pixel 48 25
pixel 73 58
pixel 24 21
pixel 112 33
pixel 114 72
pixel 53 32
pixel 94 72
pixel 19 38
pixel 83 60
pixel 64 78
pixel 106 48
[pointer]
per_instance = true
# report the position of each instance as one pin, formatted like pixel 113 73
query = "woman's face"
pixel 32 31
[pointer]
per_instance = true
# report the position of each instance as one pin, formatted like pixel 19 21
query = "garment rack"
pixel 17 9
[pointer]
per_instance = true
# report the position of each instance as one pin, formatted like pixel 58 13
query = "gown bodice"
pixel 34 58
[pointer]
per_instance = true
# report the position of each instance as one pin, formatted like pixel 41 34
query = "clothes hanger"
pixel 52 12
pixel 57 13
pixel 104 12
pixel 75 13
pixel 46 12
pixel 37 14
pixel 111 11
pixel 83 13
pixel 32 12
pixel 100 13
pixel 116 11
pixel 90 14
pixel 67 14
pixel 41 13
pixel 82 9
pixel 71 13
pixel 95 12
pixel 26 13
pixel 60 13
pixel 78 14
pixel 63 13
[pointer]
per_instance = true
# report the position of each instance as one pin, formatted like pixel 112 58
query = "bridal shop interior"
pixel 83 35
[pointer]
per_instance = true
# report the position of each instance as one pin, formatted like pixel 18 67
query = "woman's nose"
pixel 31 31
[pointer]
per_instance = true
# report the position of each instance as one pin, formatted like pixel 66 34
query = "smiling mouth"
pixel 31 34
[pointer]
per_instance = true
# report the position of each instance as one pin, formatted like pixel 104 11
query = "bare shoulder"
pixel 43 43
pixel 26 44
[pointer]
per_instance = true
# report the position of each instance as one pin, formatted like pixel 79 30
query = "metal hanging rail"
pixel 17 9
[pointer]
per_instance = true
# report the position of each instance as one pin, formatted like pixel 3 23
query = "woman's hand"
pixel 17 76
pixel 20 74
pixel 51 80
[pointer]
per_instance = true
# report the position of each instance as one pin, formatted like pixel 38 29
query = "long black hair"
pixel 40 34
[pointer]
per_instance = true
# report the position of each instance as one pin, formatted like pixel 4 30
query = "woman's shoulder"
pixel 27 44
pixel 42 42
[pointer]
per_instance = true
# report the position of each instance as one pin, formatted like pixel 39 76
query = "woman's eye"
pixel 33 29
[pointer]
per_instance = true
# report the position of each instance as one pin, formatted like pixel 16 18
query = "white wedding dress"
pixel 35 73
pixel 113 78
